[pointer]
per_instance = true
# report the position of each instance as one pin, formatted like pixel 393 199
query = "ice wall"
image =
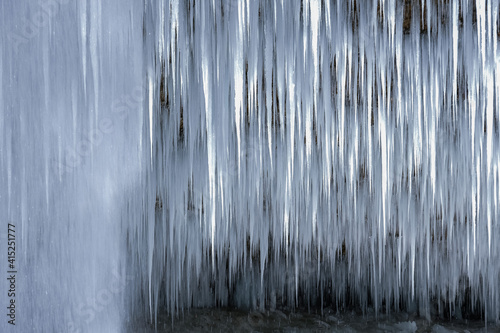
pixel 313 152
pixel 71 118
pixel 248 153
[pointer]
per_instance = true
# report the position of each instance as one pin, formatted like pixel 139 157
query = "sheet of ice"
pixel 70 122
pixel 308 148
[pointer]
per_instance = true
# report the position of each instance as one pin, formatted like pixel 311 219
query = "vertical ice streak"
pixel 238 80
pixel 206 77
pixel 150 104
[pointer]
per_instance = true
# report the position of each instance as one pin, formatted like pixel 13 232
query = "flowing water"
pixel 319 157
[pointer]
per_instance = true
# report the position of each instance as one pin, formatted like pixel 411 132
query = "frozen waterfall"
pixel 161 155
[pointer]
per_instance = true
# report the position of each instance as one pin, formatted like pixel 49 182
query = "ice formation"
pixel 161 155
pixel 310 152
pixel 71 100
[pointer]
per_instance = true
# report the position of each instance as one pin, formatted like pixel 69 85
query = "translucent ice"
pixel 341 153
